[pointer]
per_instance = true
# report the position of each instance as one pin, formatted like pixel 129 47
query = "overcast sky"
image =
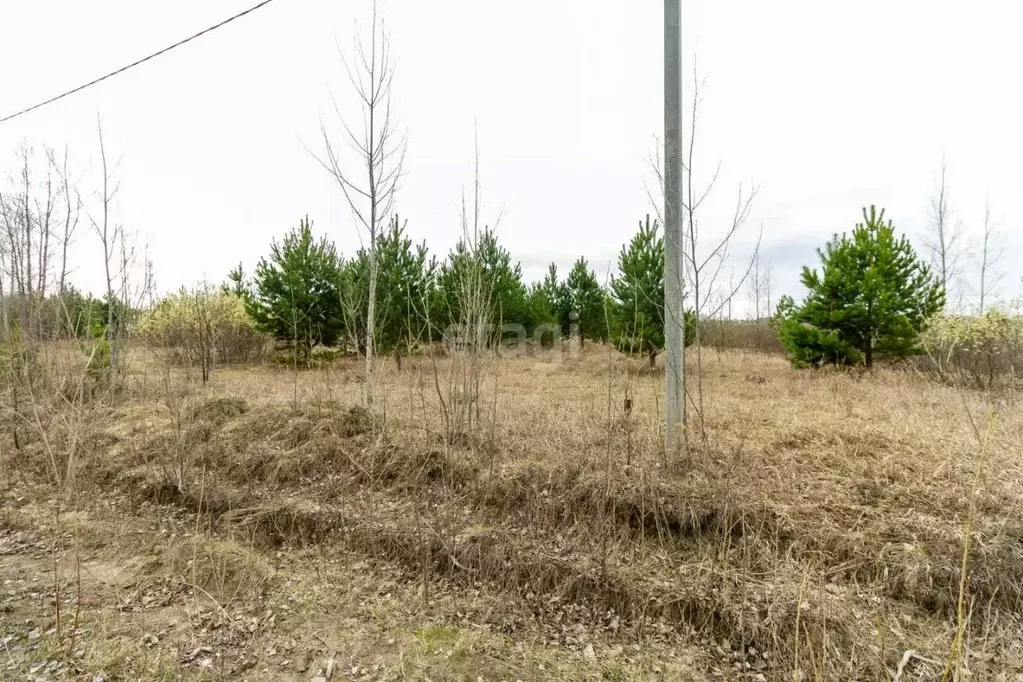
pixel 826 106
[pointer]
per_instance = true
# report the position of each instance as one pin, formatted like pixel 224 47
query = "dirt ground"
pixel 264 527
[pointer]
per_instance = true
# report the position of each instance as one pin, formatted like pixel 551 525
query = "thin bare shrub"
pixel 958 650
pixel 469 341
pixel 128 274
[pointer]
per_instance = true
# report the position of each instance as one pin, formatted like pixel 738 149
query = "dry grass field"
pixel 831 526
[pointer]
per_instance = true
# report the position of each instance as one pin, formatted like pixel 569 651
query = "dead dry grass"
pixel 818 533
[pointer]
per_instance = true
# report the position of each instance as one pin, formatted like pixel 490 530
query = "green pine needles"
pixel 295 294
pixel 638 292
pixel 870 300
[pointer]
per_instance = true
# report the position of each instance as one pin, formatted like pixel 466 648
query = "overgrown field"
pixel 830 526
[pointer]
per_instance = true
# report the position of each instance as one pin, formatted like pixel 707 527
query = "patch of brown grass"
pixel 221 568
pixel 822 520
pixel 219 410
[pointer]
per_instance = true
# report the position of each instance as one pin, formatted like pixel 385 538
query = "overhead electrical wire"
pixel 136 63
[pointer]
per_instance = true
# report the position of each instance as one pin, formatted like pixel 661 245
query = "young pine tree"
pixel 638 293
pixel 235 283
pixel 540 311
pixel 507 293
pixel 295 294
pixel 586 299
pixel 405 276
pixel 870 300
pixel 555 294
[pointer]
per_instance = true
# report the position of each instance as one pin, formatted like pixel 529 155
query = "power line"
pixel 136 63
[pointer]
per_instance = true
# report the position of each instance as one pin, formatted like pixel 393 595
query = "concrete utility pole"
pixel 674 347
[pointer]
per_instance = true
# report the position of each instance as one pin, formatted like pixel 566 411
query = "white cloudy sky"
pixel 826 106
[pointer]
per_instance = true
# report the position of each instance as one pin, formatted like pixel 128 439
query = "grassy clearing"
pixel 817 534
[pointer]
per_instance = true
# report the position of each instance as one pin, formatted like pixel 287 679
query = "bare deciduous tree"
pixel 109 237
pixel 29 203
pixel 120 258
pixel 205 329
pixel 5 321
pixel 759 287
pixel 474 331
pixel 944 236
pixel 992 252
pixel 380 153
pixel 704 262
pixel 72 212
pixel 755 292
pixel 704 272
pixel 724 309
pixel 28 218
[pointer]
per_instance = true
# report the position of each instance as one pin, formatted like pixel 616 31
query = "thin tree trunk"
pixel 28 233
pixel 697 340
pixel 44 218
pixel 696 283
pixel 70 223
pixel 371 322
pixel 5 320
pixel 109 332
pixel 943 243
pixel 991 254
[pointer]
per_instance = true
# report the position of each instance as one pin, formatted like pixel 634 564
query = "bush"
pixel 983 351
pixel 326 354
pixel 12 353
pixel 202 328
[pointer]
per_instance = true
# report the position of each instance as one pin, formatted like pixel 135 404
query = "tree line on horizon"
pixel 305 292
pixel 871 298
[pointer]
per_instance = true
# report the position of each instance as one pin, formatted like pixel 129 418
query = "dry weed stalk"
pixel 954 665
